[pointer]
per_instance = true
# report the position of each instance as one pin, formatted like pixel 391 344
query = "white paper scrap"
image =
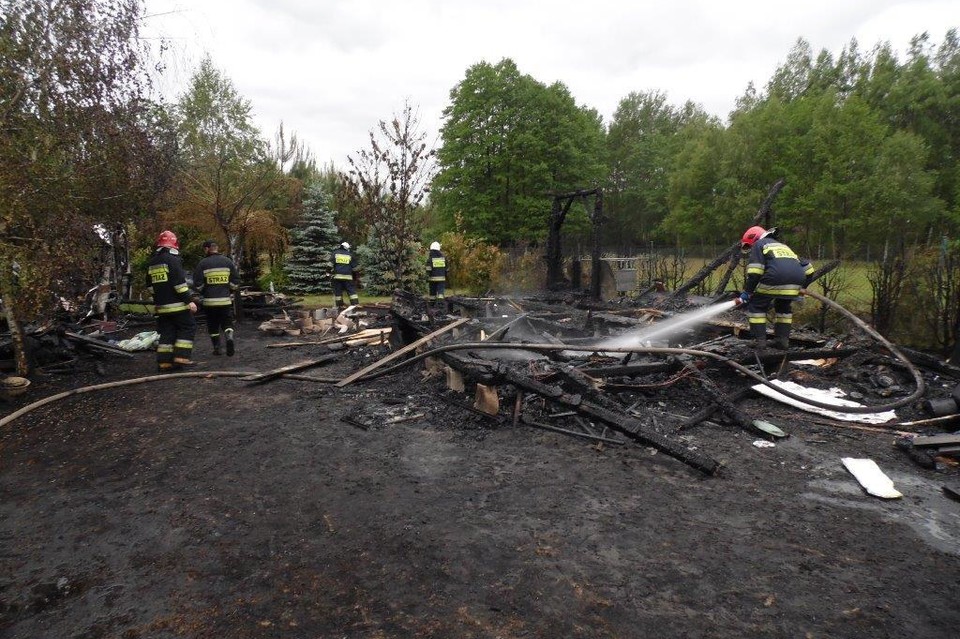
pixel 873 480
pixel 832 396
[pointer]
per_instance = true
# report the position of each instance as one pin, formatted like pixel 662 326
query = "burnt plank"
pixel 923 441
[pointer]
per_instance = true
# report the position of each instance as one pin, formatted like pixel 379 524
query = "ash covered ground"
pixel 213 508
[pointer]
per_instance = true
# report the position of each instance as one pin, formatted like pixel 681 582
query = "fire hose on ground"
pixel 546 348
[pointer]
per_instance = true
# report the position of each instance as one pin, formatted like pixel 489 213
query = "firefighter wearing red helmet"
pixel 775 276
pixel 174 307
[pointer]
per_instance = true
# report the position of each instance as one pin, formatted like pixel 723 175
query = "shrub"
pixel 472 264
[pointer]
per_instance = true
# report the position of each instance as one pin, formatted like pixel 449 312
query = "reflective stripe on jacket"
pixel 774 269
pixel 215 277
pixel 342 264
pixel 437 267
pixel 169 283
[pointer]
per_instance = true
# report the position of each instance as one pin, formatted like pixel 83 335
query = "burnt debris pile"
pixel 614 374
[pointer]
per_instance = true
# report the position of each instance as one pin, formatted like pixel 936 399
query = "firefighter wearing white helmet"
pixel 775 276
pixel 436 272
pixel 343 264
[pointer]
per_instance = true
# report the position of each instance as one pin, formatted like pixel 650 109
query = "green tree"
pixel 80 142
pixel 507 142
pixel 229 171
pixel 388 184
pixel 642 143
pixel 379 267
pixel 308 268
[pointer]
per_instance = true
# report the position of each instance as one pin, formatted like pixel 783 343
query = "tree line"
pixel 868 144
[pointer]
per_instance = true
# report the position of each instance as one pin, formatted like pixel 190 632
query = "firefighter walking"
pixel 174 308
pixel 775 275
pixel 436 272
pixel 215 278
pixel 343 264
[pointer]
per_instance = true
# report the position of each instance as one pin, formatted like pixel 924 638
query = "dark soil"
pixel 212 508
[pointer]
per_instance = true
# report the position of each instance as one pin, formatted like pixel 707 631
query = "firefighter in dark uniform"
pixel 436 272
pixel 174 308
pixel 775 275
pixel 215 278
pixel 343 264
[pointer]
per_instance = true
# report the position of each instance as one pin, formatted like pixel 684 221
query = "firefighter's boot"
pixel 216 344
pixel 781 335
pixel 759 334
pixel 228 334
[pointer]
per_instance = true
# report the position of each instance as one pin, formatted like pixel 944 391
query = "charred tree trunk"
pixel 763 215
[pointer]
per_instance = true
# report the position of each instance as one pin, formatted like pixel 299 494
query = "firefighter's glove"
pixel 744 297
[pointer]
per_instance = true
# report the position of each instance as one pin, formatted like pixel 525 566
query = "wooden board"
pixel 290 368
pixel 403 351
pixel 936 440
pixel 952 491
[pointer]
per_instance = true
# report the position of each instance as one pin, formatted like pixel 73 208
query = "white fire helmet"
pixel 435 246
pixel 345 245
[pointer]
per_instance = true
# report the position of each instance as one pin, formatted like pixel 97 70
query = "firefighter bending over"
pixel 215 279
pixel 775 275
pixel 174 309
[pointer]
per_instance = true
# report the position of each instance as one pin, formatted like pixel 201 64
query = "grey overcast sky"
pixel 331 69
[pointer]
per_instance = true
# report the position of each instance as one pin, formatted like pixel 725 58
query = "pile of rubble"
pixel 550 365
pixel 352 326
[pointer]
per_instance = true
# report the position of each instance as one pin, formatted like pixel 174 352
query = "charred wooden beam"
pixel 503 329
pixel 823 270
pixel 701 275
pixel 529 421
pixel 97 344
pixel 709 411
pixel 649 368
pixel 724 402
pixel 619 421
pixel 470 409
pixel 775 357
pixel 931 362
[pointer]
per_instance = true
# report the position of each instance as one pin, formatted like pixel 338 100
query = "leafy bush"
pixel 472 264
pixel 276 273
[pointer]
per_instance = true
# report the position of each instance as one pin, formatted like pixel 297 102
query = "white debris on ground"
pixel 873 480
pixel 832 396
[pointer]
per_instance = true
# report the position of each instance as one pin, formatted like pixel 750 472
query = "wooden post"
pixel 597 220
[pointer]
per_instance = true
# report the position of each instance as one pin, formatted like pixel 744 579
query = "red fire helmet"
pixel 167 239
pixel 751 235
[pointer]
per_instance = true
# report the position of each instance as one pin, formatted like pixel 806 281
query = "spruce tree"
pixel 378 264
pixel 308 268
